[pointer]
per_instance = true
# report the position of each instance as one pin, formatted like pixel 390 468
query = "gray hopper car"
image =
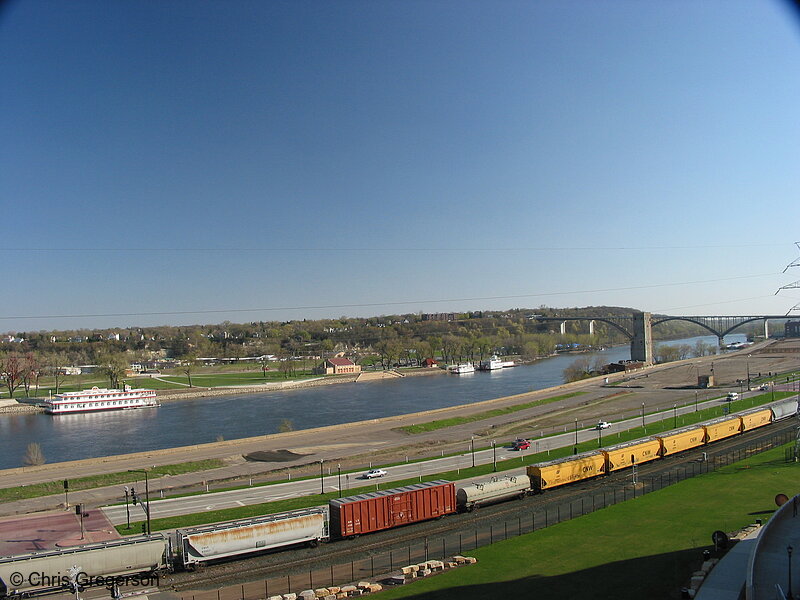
pixel 783 409
pixel 47 571
pixel 199 545
pixel 494 490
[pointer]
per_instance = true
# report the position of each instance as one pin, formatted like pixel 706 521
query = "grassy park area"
pixel 643 548
pixel 95 481
pixel 217 376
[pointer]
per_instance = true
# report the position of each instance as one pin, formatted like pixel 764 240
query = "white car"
pixel 374 473
pixel 602 425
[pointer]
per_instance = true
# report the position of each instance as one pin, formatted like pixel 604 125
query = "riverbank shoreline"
pixel 383 437
pixel 28 405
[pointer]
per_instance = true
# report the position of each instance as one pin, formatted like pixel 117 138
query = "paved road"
pixel 270 493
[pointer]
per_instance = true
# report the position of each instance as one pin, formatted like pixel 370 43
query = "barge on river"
pixel 97 399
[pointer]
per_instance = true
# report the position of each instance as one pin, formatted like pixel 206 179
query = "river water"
pixel 196 421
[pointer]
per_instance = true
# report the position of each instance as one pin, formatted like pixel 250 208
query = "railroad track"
pixel 341 552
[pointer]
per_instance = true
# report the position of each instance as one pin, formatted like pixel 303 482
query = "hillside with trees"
pixel 383 341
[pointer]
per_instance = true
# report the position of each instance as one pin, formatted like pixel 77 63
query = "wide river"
pixel 186 422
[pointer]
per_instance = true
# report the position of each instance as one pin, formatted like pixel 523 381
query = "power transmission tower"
pixel 791 286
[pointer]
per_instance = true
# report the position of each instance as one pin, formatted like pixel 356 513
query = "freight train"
pixel 47 571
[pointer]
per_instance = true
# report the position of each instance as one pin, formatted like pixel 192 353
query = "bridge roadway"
pixel 172 507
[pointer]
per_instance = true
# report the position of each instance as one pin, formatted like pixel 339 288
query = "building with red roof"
pixel 338 366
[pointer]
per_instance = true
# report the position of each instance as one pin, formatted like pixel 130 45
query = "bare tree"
pixel 30 372
pixel 33 455
pixel 11 370
pixel 286 425
pixel 54 364
pixel 579 369
pixel 188 363
pixel 285 366
pixel 264 365
pixel 113 366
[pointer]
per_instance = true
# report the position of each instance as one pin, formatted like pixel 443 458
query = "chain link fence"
pixel 461 542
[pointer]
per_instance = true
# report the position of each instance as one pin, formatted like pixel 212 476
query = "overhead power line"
pixel 389 249
pixel 374 304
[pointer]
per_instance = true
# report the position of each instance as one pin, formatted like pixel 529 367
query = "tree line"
pixel 385 340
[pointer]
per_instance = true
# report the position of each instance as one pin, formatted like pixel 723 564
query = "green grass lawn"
pixel 94 481
pixel 171 380
pixel 642 548
pixel 224 379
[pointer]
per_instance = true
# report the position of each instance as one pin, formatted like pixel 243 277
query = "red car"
pixel 521 444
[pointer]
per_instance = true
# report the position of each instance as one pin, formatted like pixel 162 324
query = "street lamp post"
pixel 748 372
pixel 575 449
pixel 675 414
pixel 494 456
pixel 789 595
pixel 695 401
pixel 339 476
pixel 146 495
pixel 127 508
pixel 643 426
pixel 472 448
pixel 321 479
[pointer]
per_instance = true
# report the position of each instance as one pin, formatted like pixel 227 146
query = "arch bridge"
pixel 638 327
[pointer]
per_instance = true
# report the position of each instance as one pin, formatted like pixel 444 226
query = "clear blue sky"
pixel 375 157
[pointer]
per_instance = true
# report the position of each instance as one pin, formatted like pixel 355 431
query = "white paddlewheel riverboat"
pixel 97 399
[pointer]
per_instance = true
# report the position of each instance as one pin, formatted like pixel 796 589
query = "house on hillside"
pixel 337 366
pixel 429 363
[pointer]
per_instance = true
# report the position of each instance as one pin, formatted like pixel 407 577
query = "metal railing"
pixel 461 542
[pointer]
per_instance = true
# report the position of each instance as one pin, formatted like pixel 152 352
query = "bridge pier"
pixel 642 341
pixel 591 327
pixel 721 341
pixel 563 328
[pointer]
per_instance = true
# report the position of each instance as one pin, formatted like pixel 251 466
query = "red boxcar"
pixel 375 511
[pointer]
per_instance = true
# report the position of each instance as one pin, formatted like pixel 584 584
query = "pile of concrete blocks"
pixel 362 588
pixel 698 577
pixel 333 592
pixel 429 567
